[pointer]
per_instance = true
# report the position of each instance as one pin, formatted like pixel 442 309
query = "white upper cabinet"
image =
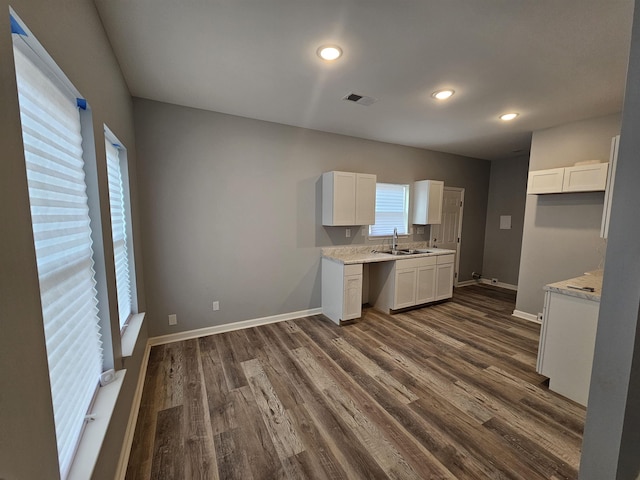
pixel 427 202
pixel 579 178
pixel 365 199
pixel 546 181
pixel 585 178
pixel 348 198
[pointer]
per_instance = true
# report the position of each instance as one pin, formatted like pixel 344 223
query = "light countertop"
pixel 590 279
pixel 367 253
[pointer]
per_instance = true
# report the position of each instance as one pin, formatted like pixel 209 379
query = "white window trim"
pixel 95 430
pixel 124 172
pixel 407 212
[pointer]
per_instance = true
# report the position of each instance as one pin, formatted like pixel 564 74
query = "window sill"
pixel 400 235
pixel 91 442
pixel 130 335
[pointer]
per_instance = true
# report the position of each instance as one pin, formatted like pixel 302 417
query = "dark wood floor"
pixel 446 391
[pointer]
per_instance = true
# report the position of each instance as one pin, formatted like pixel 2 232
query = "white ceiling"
pixel 553 61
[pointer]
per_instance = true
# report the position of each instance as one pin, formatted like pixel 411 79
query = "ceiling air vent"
pixel 359 99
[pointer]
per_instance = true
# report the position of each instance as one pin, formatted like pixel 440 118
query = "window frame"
pixel 123 165
pixel 406 230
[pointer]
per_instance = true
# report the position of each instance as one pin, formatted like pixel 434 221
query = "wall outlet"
pixel 347 232
pixel 494 280
pixel 173 319
pixel 216 306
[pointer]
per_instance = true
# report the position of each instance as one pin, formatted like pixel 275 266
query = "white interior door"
pixel 447 234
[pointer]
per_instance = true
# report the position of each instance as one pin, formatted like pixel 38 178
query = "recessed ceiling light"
pixel 508 116
pixel 329 52
pixel 442 94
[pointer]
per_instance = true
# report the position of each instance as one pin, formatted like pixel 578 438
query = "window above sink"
pixel 392 210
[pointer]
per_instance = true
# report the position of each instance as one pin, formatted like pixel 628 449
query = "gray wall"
pixel 561 235
pixel 231 210
pixel 507 196
pixel 72 33
pixel 612 430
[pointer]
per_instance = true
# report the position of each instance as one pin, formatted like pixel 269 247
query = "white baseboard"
pixel 229 327
pixel 133 417
pixel 487 281
pixel 508 286
pixel 526 316
pixel 466 283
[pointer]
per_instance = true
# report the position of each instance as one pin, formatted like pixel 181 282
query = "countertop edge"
pixel 588 280
pixel 382 257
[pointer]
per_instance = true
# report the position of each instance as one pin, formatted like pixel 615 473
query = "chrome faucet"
pixel 394 245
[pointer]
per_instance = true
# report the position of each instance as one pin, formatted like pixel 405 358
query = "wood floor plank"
pixel 168 448
pixel 232 457
pixel 254 437
pixel 199 452
pixel 172 375
pixel 229 361
pixel 323 462
pixel 446 391
pixel 221 407
pixel 285 439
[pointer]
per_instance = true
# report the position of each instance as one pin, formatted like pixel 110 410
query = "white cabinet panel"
pixel 339 198
pixel 426 284
pixel 545 181
pixel 444 277
pixel 427 202
pixel 585 178
pixel 352 307
pixel 348 198
pixel 567 343
pixel 365 199
pixel 405 291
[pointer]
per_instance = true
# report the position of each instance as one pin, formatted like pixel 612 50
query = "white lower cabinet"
pixel 405 280
pixel 406 283
pixel 392 285
pixel 425 284
pixel 341 290
pixel 352 306
pixel 445 269
pixel 567 342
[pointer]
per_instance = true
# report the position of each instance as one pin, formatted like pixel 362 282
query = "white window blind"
pixel 392 209
pixel 62 235
pixel 119 232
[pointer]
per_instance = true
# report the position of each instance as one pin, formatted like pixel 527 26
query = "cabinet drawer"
pixel 415 262
pixel 354 269
pixel 443 259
